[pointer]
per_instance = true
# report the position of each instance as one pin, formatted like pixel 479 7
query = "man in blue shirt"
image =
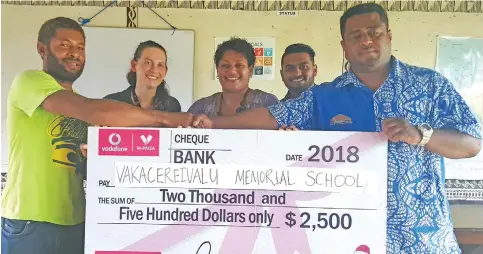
pixel 419 110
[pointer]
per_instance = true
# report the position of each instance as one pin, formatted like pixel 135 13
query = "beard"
pixel 58 71
pixel 299 87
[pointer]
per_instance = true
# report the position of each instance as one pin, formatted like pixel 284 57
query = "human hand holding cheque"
pixel 205 191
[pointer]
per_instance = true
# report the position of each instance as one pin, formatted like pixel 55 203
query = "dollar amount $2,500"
pixel 323 221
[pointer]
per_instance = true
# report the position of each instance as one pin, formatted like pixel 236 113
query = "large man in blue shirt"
pixel 418 109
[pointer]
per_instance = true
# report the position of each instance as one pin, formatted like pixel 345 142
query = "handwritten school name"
pixel 232 178
pixel 166 175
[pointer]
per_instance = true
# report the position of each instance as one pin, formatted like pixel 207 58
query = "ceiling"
pixel 268 5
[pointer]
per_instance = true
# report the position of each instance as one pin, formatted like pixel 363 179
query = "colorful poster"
pixel 177 191
pixel 264 48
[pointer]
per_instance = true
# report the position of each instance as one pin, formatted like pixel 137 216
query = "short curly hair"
pixel 363 9
pixel 299 48
pixel 49 29
pixel 236 44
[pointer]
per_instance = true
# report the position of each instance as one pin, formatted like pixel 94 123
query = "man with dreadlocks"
pixel 43 202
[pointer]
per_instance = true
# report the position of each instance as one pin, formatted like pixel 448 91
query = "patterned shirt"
pixel 418 214
pixel 289 96
pixel 254 98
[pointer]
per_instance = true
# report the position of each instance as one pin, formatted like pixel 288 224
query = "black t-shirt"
pixel 164 103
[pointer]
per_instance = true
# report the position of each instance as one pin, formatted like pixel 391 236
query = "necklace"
pixel 135 100
pixel 241 104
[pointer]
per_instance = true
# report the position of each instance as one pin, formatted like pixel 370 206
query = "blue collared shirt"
pixel 418 214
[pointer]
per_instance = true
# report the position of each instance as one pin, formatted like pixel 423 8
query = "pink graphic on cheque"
pixel 363 249
pixel 126 252
pixel 128 142
pixel 242 239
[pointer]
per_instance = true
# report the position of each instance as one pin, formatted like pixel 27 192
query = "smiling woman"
pixel 234 60
pixel 147 87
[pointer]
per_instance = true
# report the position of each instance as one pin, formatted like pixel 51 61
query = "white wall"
pixel 414 40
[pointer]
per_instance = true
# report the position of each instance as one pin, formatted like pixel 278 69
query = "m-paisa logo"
pixel 147 142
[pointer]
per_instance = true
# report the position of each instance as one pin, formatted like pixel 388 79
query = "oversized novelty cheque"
pixel 187 191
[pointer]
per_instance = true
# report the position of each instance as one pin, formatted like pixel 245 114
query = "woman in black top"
pixel 147 87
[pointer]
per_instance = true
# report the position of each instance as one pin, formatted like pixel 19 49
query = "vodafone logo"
pixel 113 142
pixel 115 139
pixel 128 142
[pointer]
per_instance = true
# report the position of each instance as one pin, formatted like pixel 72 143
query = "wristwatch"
pixel 426 131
